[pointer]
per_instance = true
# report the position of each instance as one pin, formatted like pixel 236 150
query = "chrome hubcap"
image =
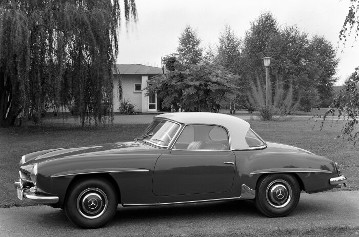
pixel 278 193
pixel 92 203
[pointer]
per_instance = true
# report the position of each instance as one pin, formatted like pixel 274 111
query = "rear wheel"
pixel 277 195
pixel 91 203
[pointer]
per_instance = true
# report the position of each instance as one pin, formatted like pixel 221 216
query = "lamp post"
pixel 266 61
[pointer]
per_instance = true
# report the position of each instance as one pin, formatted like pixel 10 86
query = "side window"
pixel 187 135
pixel 218 134
pixel 253 140
pixel 203 137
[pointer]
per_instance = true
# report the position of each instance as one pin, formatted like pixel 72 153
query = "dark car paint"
pixel 188 172
pixel 129 164
pixel 312 170
pixel 147 174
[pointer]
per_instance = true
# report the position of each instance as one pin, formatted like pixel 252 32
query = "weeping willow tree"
pixel 59 54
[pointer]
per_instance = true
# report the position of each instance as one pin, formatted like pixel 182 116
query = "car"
pixel 183 157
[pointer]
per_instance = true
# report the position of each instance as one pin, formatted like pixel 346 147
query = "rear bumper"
pixel 31 194
pixel 338 180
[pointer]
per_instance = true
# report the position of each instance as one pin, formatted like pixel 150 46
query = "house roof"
pixel 136 69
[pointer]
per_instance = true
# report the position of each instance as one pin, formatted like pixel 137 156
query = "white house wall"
pixel 139 99
pixel 144 97
pixel 116 94
pixel 128 91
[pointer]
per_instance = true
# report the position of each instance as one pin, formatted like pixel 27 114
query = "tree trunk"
pixel 8 109
pixel 9 102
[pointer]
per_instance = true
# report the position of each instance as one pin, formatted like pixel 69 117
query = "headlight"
pixel 34 170
pixel 336 166
pixel 23 159
pixel 30 170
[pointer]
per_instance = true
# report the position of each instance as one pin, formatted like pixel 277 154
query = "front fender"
pixel 131 172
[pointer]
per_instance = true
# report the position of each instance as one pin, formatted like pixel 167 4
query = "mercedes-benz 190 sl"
pixel 182 157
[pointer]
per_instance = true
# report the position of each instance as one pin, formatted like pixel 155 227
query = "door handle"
pixel 228 163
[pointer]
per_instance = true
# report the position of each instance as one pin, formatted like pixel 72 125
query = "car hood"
pixel 111 148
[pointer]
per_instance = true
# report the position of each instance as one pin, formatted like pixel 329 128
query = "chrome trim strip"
pixel 36 197
pixel 265 144
pixel 228 163
pixel 171 142
pixel 18 184
pixel 41 199
pixel 69 150
pixel 184 202
pixel 289 170
pixel 338 180
pixel 196 150
pixel 100 171
pixel 176 136
pixel 252 148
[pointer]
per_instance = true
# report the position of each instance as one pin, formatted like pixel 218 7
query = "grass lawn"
pixel 14 142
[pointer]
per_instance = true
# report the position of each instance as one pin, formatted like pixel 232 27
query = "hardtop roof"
pixel 236 127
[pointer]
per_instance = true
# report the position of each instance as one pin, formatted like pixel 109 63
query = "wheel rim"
pixel 92 203
pixel 279 193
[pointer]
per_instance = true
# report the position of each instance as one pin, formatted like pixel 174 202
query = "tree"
pixel 171 62
pixel 347 102
pixel 58 54
pixel 347 105
pixel 228 49
pixel 200 87
pixel 323 59
pixel 308 65
pixel 189 51
pixel 351 22
pixel 255 46
pixel 229 57
pixel 192 82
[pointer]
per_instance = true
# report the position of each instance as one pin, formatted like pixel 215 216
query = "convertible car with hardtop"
pixel 184 157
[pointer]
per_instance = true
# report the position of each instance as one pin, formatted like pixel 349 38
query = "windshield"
pixel 161 132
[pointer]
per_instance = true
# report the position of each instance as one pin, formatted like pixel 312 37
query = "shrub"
pixel 127 108
pixel 266 113
pixel 281 101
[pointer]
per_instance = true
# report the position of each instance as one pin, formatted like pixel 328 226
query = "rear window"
pixel 253 140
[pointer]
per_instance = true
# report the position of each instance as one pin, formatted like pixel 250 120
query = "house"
pixel 130 82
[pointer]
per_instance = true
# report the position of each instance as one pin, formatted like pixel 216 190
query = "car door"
pixel 200 162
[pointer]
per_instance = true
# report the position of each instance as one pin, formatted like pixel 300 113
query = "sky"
pixel 161 22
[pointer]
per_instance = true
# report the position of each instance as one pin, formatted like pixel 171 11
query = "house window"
pixel 152 101
pixel 138 87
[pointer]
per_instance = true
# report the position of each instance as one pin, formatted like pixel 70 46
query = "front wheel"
pixel 91 203
pixel 277 195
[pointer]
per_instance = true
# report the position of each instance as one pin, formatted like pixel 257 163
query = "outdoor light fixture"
pixel 266 61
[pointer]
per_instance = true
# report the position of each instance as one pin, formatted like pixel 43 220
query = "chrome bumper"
pixel 338 180
pixel 33 195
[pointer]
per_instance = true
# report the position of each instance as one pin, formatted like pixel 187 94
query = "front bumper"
pixel 32 194
pixel 338 180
